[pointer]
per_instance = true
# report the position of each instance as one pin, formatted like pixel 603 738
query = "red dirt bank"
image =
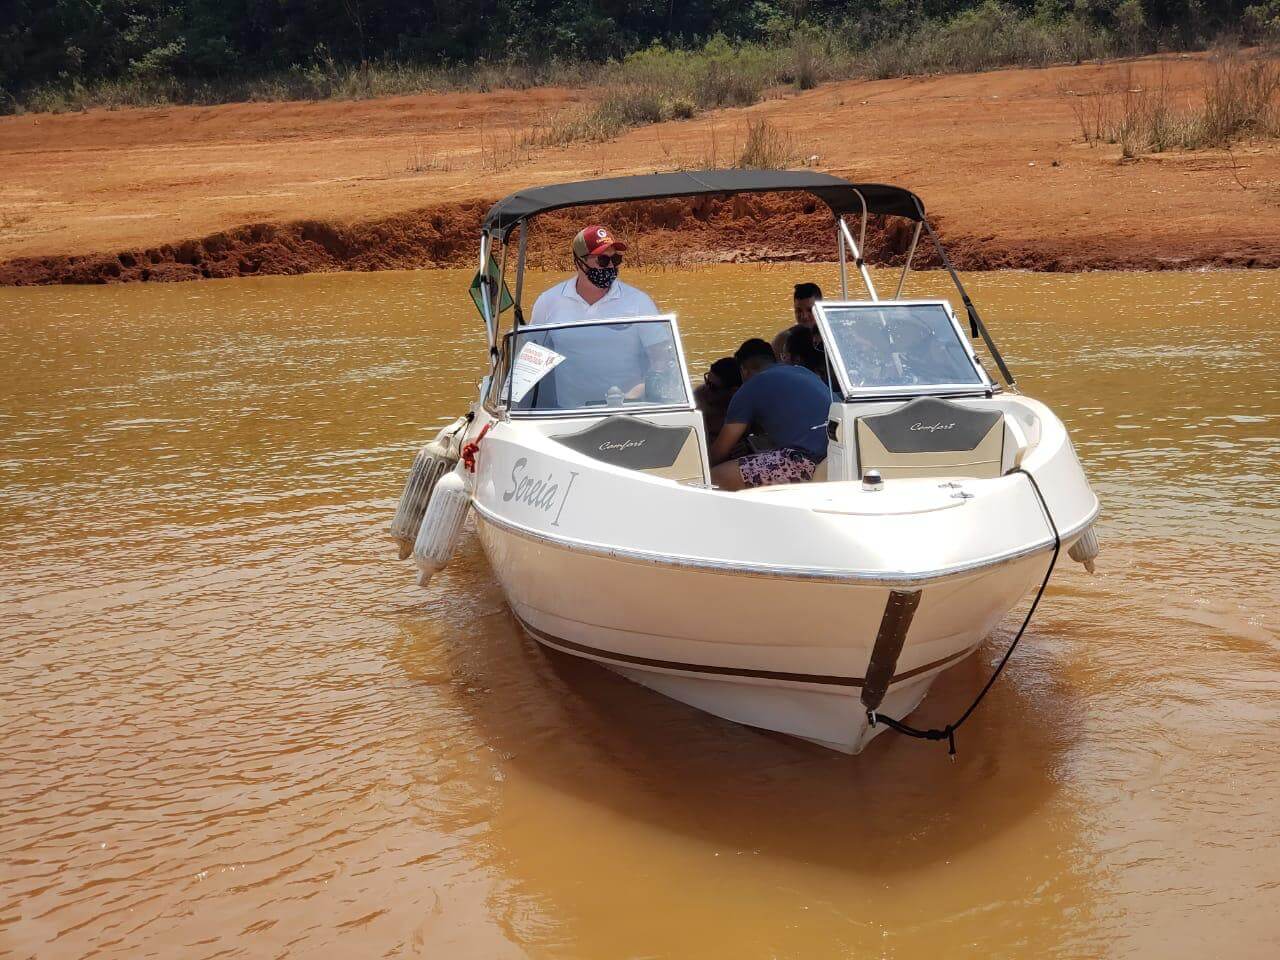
pixel 294 188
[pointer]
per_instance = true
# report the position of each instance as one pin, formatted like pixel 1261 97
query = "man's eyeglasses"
pixel 605 260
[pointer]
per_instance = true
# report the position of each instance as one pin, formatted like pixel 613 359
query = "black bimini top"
pixel 840 195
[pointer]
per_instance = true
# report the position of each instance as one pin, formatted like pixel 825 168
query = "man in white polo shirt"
pixel 594 292
pixel 598 359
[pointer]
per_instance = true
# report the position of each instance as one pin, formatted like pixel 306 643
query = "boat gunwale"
pixel 747 569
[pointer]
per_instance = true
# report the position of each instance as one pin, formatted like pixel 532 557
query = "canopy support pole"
pixel 860 262
pixel 844 270
pixel 502 280
pixel 490 329
pixel 976 326
pixel 862 229
pixel 915 237
pixel 524 237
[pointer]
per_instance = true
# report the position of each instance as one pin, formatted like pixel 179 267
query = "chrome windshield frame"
pixel 498 231
pixel 601 411
pixel 986 388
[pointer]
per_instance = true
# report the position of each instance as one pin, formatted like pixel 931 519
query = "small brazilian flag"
pixel 477 297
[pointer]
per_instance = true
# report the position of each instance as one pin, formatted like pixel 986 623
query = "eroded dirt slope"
pixel 191 192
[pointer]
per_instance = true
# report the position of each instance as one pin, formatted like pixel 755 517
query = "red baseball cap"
pixel 593 239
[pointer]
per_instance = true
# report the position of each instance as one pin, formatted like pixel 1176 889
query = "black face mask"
pixel 601 277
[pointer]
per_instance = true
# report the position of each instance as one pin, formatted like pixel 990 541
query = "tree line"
pixel 62 43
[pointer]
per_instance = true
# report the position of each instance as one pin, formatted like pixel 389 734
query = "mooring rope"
pixel 472 447
pixel 948 732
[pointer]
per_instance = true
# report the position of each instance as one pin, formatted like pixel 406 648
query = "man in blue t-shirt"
pixel 789 405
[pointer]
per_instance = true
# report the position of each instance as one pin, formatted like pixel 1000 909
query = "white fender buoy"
pixel 433 461
pixel 1085 549
pixel 442 524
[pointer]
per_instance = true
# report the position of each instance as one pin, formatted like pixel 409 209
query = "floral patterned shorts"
pixel 785 465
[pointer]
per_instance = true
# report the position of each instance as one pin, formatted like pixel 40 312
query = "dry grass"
pixel 711 155
pixel 756 145
pixel 766 148
pixel 1242 100
pixel 421 160
pixel 621 108
pixel 501 150
pixel 324 79
pixel 1238 99
pixel 763 147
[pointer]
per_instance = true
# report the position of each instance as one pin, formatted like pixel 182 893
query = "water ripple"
pixel 235 727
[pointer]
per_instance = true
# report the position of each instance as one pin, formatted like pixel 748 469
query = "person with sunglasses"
pixel 603 364
pixel 594 292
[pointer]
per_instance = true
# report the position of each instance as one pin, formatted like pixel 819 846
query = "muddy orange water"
pixel 233 726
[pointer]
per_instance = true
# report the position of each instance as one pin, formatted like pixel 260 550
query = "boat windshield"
pixel 898 348
pixel 596 367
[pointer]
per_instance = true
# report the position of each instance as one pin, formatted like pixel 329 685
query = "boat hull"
pixel 782 653
pixel 793 608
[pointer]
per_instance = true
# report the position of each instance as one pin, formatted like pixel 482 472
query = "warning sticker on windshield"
pixel 532 364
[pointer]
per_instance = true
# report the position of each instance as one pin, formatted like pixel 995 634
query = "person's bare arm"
pixel 656 354
pixel 729 436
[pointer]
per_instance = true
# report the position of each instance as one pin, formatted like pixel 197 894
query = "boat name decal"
pixel 624 445
pixel 931 427
pixel 543 494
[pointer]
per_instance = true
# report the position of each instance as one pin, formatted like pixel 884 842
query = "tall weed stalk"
pixel 1237 99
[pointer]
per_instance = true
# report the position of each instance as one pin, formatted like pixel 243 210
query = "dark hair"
pixel 806 290
pixel 728 371
pixel 754 349
pixel 804 350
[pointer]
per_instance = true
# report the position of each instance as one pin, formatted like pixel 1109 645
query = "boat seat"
pixel 931 437
pixel 672 451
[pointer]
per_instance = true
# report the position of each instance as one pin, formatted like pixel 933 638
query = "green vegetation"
pixel 653 59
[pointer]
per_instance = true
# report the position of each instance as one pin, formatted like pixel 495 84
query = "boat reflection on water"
pixel 608 792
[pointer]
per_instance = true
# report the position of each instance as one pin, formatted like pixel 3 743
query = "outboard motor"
pixel 433 461
pixel 442 525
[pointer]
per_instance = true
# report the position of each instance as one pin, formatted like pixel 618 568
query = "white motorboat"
pixel 815 609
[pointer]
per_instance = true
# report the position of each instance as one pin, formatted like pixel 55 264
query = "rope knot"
pixel 472 447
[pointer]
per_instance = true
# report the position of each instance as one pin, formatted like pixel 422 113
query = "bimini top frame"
pixel 839 195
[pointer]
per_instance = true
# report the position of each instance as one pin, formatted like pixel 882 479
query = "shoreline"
pixel 446 238
pixel 185 193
